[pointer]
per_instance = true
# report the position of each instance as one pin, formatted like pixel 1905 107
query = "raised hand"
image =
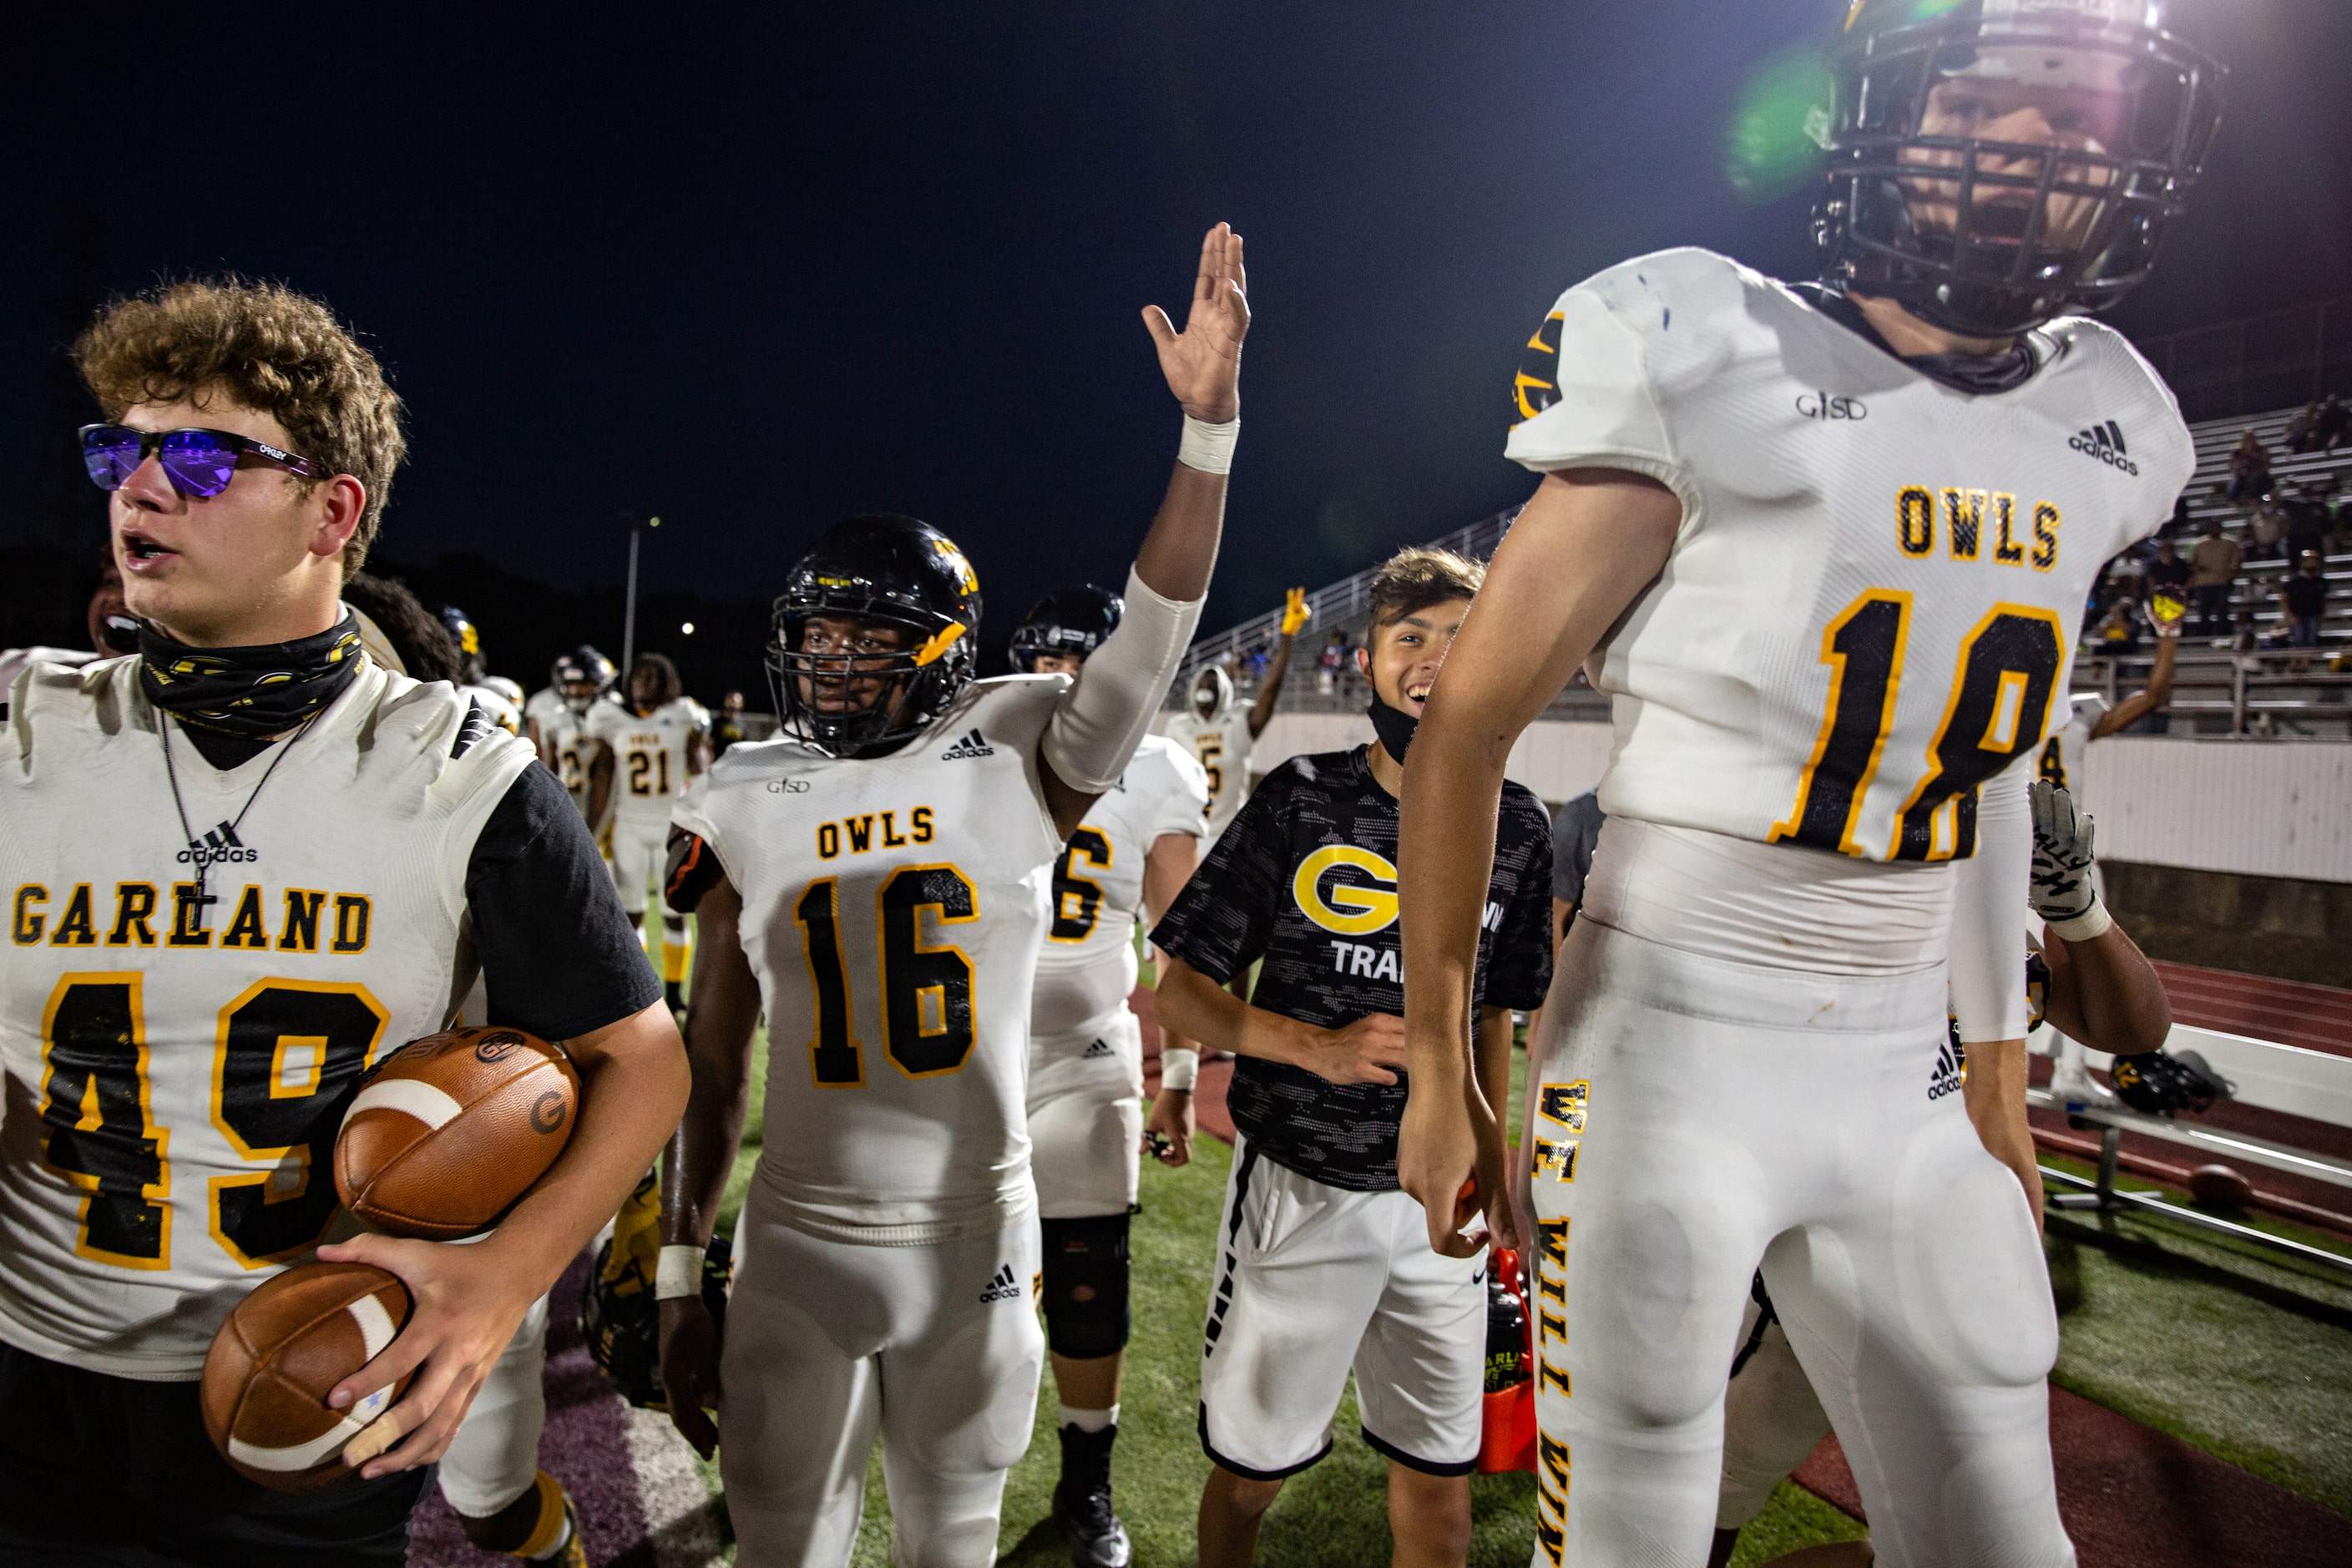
pixel 1294 613
pixel 1203 362
pixel 2061 887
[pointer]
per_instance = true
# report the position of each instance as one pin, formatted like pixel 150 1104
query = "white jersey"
pixel 14 662
pixel 2064 752
pixel 1088 967
pixel 1871 604
pixel 178 1068
pixel 564 740
pixel 1221 745
pixel 503 710
pixel 893 909
pixel 649 755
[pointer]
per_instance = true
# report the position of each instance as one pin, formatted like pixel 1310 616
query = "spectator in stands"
pixel 2266 531
pixel 2298 437
pixel 2250 469
pixel 2118 630
pixel 2303 604
pixel 2168 573
pixel 2333 426
pixel 1334 660
pixel 2212 569
pixel 2306 522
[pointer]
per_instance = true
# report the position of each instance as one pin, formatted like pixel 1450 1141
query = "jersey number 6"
pixel 926 991
pixel 1999 705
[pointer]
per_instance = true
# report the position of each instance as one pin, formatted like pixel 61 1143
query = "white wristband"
pixel 679 1273
pixel 2091 924
pixel 1208 447
pixel 1180 1067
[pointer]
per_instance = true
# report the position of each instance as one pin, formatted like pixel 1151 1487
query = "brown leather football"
pixel 453 1130
pixel 281 1352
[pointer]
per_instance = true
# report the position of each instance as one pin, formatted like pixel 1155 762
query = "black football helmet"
pixel 621 1321
pixel 469 643
pixel 881 568
pixel 2160 1083
pixel 582 668
pixel 1066 621
pixel 1929 197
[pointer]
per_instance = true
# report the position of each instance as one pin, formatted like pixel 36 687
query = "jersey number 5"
pixel 1213 747
pixel 1999 705
pixel 287 1060
pixel 926 991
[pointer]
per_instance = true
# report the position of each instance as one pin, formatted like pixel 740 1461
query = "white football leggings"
pixel 1085 1117
pixel 494 1457
pixel 1733 1116
pixel 937 1348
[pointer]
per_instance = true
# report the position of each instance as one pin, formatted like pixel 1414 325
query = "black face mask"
pixel 248 691
pixel 1394 727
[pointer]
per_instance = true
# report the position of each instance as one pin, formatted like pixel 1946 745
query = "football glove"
pixel 1294 613
pixel 2062 893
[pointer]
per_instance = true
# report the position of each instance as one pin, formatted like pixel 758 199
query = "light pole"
pixel 629 608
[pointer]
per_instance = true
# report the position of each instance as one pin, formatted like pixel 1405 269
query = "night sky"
pixel 759 275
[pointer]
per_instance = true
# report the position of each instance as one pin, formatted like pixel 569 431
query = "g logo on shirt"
pixel 1348 907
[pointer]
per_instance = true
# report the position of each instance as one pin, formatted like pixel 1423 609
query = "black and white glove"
pixel 2063 895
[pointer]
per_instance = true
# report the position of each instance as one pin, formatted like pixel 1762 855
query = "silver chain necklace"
pixel 197 847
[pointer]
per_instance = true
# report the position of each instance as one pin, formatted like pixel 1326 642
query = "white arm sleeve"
pixel 1101 720
pixel 1987 955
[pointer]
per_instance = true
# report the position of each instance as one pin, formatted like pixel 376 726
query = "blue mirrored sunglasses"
pixel 198 461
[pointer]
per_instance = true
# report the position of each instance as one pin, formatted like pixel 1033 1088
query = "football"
pixel 448 1134
pixel 281 1352
pixel 2219 1187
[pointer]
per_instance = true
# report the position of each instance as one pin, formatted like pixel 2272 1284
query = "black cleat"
pixel 1082 1500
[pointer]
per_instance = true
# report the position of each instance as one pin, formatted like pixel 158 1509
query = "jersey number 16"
pixel 926 991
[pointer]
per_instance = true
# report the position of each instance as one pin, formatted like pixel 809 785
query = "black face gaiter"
pixel 1394 727
pixel 248 691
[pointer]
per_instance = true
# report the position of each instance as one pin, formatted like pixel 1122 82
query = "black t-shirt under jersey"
pixel 1329 938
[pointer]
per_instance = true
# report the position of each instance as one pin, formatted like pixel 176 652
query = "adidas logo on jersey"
pixel 1951 1070
pixel 221 846
pixel 1096 1051
pixel 972 745
pixel 1003 1287
pixel 2105 442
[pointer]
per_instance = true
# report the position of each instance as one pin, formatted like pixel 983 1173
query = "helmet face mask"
pixel 1068 623
pixel 872 637
pixel 581 676
pixel 2004 161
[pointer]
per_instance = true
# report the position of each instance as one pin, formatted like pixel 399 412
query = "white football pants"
pixel 1689 1118
pixel 640 852
pixel 494 1457
pixel 937 1348
pixel 1085 1117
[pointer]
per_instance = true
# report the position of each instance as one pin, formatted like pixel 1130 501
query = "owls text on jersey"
pixel 893 910
pixel 649 753
pixel 1876 575
pixel 182 1058
pixel 1087 967
pixel 1222 744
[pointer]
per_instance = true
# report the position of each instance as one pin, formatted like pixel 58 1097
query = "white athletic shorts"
pixel 1690 1119
pixel 494 1457
pixel 1313 1281
pixel 937 1348
pixel 640 852
pixel 1085 1117
pixel 1771 1421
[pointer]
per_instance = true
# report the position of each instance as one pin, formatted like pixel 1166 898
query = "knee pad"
pixel 1086 1285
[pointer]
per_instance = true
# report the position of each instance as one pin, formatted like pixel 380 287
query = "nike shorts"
pixel 1314 1282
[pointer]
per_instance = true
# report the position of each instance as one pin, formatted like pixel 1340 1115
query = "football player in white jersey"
pixel 651 745
pixel 878 879
pixel 186 1010
pixel 1129 857
pixel 1222 734
pixel 1825 548
pixel 555 720
pixel 498 697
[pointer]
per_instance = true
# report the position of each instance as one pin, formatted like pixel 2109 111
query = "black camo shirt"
pixel 1329 937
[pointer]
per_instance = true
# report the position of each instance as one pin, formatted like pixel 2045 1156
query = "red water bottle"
pixel 1506 1438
